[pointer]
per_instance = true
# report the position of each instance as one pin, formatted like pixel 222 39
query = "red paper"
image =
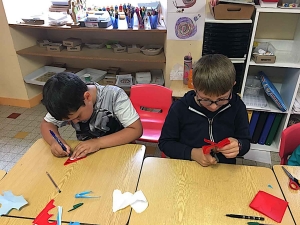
pixel 44 216
pixel 207 148
pixel 69 161
pixel 269 205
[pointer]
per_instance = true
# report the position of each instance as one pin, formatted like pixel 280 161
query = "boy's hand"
pixel 58 151
pixel 231 150
pixel 204 160
pixel 84 148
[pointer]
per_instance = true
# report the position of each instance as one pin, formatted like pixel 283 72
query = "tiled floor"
pixel 20 128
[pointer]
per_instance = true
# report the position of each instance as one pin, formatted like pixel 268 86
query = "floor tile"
pixel 14 115
pixel 9 166
pixel 21 135
pixel 249 162
pixel 16 159
pixel 2 164
pixel 8 157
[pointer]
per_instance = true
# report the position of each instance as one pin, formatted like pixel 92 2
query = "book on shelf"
pixel 266 129
pixel 249 114
pixel 272 91
pixel 259 127
pixel 253 122
pixel 274 128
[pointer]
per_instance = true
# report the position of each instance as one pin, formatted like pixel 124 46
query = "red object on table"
pixel 44 216
pixel 69 161
pixel 220 144
pixel 269 205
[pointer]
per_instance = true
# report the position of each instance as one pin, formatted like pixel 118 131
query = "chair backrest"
pixel 151 96
pixel 290 139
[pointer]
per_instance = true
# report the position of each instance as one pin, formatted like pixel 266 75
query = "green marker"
pixel 76 206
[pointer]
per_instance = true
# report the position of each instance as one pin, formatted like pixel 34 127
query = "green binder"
pixel 274 128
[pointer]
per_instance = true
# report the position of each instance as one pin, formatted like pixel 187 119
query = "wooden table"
pixel 178 88
pixel 17 221
pixel 292 196
pixel 102 172
pixel 183 192
pixel 2 174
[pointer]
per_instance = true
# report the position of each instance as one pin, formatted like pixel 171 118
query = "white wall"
pixel 16 9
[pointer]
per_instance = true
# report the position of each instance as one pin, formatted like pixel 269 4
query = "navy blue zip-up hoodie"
pixel 187 124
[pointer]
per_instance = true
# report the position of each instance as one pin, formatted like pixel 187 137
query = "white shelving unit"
pixel 284 73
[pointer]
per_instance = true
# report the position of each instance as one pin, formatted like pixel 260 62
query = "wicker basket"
pixel 151 49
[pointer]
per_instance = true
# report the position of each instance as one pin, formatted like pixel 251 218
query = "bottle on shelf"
pixel 187 62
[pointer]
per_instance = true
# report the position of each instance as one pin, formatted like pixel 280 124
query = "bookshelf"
pixel 280 27
pixel 32 57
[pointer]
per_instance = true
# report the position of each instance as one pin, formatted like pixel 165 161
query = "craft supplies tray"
pixel 40 76
pixel 151 49
pixel 95 45
pixel 157 77
pixel 96 75
pixel 124 80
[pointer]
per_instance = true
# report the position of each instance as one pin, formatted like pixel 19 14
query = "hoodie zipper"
pixel 210 121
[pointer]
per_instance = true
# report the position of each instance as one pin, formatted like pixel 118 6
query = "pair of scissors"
pixel 294 182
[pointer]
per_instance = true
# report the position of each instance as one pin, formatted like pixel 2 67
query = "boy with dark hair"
pixel 211 111
pixel 102 116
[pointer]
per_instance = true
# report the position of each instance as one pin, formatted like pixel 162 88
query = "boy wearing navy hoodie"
pixel 210 111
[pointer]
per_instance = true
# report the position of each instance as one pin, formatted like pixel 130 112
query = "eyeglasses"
pixel 220 102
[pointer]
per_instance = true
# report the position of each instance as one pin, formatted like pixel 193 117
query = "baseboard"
pixel 21 102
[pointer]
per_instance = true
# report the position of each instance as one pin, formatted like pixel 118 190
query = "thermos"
pixel 187 67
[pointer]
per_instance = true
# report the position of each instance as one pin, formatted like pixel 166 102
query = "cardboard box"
pixel 232 11
pixel 55 48
pixel 118 48
pixel 43 43
pixel 264 58
pixel 74 49
pixel 72 42
pixel 133 49
pixel 109 80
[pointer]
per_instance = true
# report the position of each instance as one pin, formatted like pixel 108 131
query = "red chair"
pixel 146 97
pixel 289 142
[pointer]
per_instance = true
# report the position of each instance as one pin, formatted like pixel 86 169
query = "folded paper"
pixel 59 214
pixel 69 161
pixel 207 148
pixel 269 205
pixel 9 201
pixel 84 194
pixel 137 201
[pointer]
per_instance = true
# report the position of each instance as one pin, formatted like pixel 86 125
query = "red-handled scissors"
pixel 294 182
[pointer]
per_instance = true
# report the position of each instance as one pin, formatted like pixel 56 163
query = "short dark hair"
pixel 214 74
pixel 63 94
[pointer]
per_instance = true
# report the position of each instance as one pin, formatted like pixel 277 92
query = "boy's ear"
pixel 87 96
pixel 234 83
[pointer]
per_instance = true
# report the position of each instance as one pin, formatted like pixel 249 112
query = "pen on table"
pixel 58 141
pixel 245 217
pixel 256 223
pixel 75 206
pixel 53 182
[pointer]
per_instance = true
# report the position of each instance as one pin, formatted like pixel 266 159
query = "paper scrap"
pixel 9 201
pixel 69 161
pixel 44 216
pixel 137 201
pixel 59 213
